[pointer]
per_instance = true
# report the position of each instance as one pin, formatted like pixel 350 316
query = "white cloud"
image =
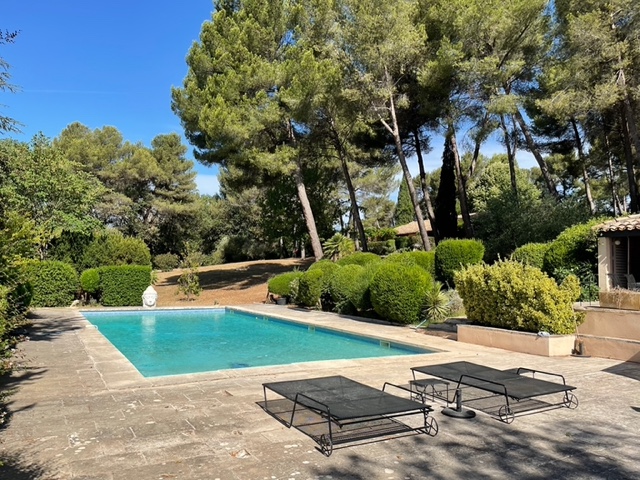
pixel 207 184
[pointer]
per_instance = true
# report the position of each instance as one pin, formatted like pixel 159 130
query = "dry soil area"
pixel 229 284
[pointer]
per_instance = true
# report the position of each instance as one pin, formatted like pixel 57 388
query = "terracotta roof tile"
pixel 623 224
pixel 411 228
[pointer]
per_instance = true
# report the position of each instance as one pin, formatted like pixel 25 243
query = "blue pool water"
pixel 174 342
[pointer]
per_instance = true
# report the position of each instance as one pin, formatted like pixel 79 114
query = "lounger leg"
pixel 430 425
pixel 570 400
pixel 326 445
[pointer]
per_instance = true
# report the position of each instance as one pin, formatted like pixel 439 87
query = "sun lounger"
pixel 336 410
pixel 520 388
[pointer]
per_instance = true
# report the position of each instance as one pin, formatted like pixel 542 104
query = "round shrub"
pixel 572 249
pixel 420 258
pixel 359 258
pixel 310 287
pixel 123 285
pixel 341 286
pixel 452 255
pixel 90 281
pixel 531 254
pixel 516 296
pixel 401 258
pixel 382 247
pixel 166 261
pixel 281 284
pixel 397 292
pixel 112 248
pixel 54 283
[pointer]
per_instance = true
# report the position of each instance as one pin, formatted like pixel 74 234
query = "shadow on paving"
pixel 243 277
pixel 15 467
pixel 504 454
pixel 44 331
pixel 625 369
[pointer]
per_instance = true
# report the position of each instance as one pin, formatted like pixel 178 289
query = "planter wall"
pixel 524 342
pixel 620 299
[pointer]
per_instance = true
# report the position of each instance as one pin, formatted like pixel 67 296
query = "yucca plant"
pixel 338 246
pixel 437 305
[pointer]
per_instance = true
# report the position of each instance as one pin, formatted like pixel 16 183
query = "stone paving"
pixel 79 410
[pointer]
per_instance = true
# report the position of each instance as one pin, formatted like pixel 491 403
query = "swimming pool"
pixel 175 342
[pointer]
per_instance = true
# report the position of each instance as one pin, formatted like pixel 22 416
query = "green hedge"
pixel 453 255
pixel 382 247
pixel 574 248
pixel 54 283
pixel 123 285
pixel 359 258
pixel 281 284
pixel 531 254
pixel 112 248
pixel 426 260
pixel 398 291
pixel 310 287
pixel 515 296
pixel 345 285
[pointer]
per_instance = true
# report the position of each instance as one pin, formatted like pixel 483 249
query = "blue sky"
pixel 111 63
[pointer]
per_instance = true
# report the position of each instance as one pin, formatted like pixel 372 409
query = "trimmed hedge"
pixel 398 291
pixel 531 254
pixel 123 285
pixel 359 258
pixel 453 255
pixel 515 296
pixel 90 281
pixel 382 247
pixel 281 284
pixel 310 286
pixel 112 248
pixel 54 283
pixel 572 249
pixel 420 258
pixel 345 285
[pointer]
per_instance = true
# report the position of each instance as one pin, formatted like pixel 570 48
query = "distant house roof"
pixel 411 228
pixel 623 224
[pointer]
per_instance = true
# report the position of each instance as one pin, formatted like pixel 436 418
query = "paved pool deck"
pixel 79 410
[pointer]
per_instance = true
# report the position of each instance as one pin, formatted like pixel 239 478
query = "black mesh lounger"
pixel 517 384
pixel 334 410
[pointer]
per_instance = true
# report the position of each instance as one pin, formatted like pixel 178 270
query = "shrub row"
pixel 515 296
pixel 118 285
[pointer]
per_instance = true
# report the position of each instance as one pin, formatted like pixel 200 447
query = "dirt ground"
pixel 228 284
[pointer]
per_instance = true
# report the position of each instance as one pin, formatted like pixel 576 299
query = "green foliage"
pixel 384 247
pixel 281 284
pixel 326 266
pixel 54 283
pixel 397 292
pixel 345 284
pixel 123 285
pixel 516 296
pixel 575 248
pixel 426 260
pixel 382 234
pixel 166 261
pixel 310 287
pixel 452 255
pixel 359 258
pixel 338 246
pixel 437 304
pixel 112 248
pixel 90 281
pixel 189 283
pixel 404 212
pixel 531 254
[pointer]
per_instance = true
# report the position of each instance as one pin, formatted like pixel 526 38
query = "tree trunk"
pixel 583 166
pixel 395 131
pixel 355 211
pixel 425 188
pixel 510 156
pixel 628 153
pixel 462 191
pixel 310 220
pixel 476 150
pixel 544 168
pixel 629 114
pixel 614 195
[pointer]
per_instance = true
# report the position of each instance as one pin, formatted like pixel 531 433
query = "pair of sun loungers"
pixel 337 410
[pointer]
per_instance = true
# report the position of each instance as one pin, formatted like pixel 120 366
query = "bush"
pixel 310 287
pixel 123 285
pixel 515 296
pixel 281 284
pixel 345 285
pixel 452 255
pixel 384 247
pixel 112 248
pixel 398 291
pixel 531 254
pixel 420 258
pixel 382 234
pixel 338 246
pixel 166 261
pixel 574 248
pixel 359 258
pixel 90 281
pixel 54 283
